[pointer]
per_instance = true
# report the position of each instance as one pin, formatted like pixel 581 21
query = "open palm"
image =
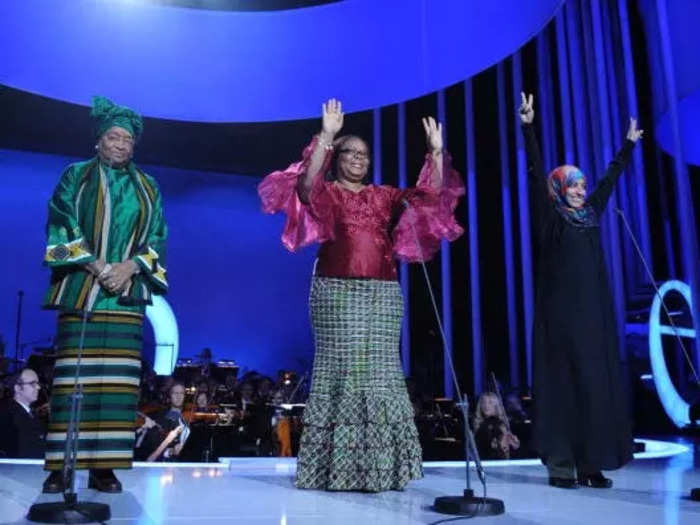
pixel 433 133
pixel 332 117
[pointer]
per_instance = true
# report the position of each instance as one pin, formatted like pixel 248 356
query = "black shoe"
pixel 104 480
pixel 595 481
pixel 563 483
pixel 54 483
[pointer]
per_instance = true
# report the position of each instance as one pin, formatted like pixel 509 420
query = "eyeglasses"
pixel 359 154
pixel 35 384
pixel 128 141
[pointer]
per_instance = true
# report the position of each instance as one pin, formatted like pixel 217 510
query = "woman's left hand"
pixel 633 133
pixel 433 134
pixel 116 279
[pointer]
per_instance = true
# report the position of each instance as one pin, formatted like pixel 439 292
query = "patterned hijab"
pixel 558 181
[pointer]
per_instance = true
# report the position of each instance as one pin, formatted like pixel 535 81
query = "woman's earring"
pixel 97 147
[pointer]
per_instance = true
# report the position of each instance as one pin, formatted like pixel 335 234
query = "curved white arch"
pixel 674 405
pixel 162 319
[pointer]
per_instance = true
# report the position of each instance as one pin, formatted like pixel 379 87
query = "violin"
pixel 194 414
pixel 143 420
pixel 144 412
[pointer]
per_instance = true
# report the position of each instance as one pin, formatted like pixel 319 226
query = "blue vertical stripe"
pixel 446 270
pixel 524 215
pixel 508 250
pixel 403 267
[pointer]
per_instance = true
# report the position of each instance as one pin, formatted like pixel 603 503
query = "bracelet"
pixel 107 268
pixel 328 146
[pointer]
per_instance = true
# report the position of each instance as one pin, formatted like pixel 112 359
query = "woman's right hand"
pixel 118 277
pixel 96 266
pixel 633 133
pixel 527 111
pixel 332 118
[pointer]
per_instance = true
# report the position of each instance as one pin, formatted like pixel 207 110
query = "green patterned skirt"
pixel 359 432
pixel 110 374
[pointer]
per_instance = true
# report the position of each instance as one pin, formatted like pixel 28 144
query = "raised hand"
pixel 433 134
pixel 332 118
pixel 527 111
pixel 633 133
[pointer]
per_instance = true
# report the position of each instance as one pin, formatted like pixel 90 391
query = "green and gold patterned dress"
pixel 97 212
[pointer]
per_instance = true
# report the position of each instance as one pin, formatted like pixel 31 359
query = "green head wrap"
pixel 107 114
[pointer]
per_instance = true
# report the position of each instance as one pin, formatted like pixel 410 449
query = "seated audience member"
pixel 21 433
pixel 489 406
pixel 162 437
pixel 201 402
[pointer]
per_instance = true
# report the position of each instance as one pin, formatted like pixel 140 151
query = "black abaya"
pixel 581 415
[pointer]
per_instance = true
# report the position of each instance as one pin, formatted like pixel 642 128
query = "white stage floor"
pixel 652 490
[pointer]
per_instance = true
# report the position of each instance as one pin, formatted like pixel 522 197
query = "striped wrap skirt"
pixel 110 374
pixel 359 432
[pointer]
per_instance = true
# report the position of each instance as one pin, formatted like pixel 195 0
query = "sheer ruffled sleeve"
pixel 305 223
pixel 429 216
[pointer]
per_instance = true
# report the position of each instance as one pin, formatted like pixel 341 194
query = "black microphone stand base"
pixel 469 505
pixel 65 512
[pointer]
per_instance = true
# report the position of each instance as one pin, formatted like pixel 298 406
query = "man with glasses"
pixel 22 434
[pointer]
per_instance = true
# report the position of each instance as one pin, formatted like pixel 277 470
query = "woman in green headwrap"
pixel 106 251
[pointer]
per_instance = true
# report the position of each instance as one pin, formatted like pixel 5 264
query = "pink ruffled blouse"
pixel 355 229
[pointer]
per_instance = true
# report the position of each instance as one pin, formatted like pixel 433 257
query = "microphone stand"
pixel 70 510
pixel 467 504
